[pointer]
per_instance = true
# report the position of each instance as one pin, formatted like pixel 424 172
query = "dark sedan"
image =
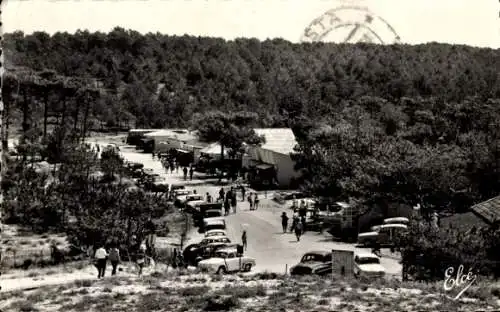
pixel 314 262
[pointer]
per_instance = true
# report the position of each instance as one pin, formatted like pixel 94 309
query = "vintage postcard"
pixel 250 155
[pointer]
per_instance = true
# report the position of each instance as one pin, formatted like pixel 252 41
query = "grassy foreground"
pixel 179 291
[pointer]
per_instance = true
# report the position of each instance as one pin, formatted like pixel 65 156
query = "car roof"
pixel 397 219
pixel 318 252
pixel 215 220
pixel 215 230
pixel 366 255
pixel 228 250
pixel 215 237
pixel 394 225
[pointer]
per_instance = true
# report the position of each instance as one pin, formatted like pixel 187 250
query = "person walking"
pixel 140 258
pixel 244 239
pixel 243 191
pixel 284 221
pixel 114 258
pixel 191 172
pixel 234 201
pixel 250 200
pixel 208 198
pixel 185 171
pixel 221 193
pixel 298 230
pixel 101 256
pixel 256 201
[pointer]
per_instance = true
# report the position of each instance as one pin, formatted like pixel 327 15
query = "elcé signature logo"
pixel 459 281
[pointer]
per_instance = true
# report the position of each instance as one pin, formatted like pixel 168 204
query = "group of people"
pixel 298 224
pixel 171 164
pixel 229 199
pixel 102 256
pixel 138 250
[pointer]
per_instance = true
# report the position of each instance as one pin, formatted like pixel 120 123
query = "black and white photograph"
pixel 250 155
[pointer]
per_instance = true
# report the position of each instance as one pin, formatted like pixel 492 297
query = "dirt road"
pixel 273 250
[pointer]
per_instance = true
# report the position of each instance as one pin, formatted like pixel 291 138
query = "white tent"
pixel 213 150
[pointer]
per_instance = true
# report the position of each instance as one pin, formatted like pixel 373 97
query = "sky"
pixel 470 22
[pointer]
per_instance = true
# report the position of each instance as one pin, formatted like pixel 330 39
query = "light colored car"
pixel 397 220
pixel 194 205
pixel 215 239
pixel 183 199
pixel 215 233
pixel 214 224
pixel 368 265
pixel 384 235
pixel 227 260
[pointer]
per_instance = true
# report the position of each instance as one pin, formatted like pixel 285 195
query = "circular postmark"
pixel 350 24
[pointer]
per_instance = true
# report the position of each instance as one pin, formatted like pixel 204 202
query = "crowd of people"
pixel 298 219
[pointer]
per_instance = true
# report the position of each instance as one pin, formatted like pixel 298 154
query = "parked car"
pixel 314 262
pixel 213 224
pixel 181 200
pixel 193 206
pixel 368 265
pixel 384 236
pixel 208 251
pixel 214 239
pixel 178 193
pixel 397 220
pixel 215 233
pixel 227 260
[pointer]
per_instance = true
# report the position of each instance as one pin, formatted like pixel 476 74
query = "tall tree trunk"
pixel 221 161
pixel 45 113
pixel 26 111
pixel 63 114
pixel 85 117
pixel 75 117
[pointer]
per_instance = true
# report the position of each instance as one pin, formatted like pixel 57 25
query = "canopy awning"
pixel 182 151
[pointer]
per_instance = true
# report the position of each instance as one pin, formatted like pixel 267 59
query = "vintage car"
pixel 193 206
pixel 368 265
pixel 181 200
pixel 215 233
pixel 227 260
pixel 208 251
pixel 214 239
pixel 314 262
pixel 397 220
pixel 212 224
pixel 384 236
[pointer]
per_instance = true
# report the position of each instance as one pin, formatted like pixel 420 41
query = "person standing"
pixel 185 171
pixel 234 201
pixel 221 193
pixel 284 221
pixel 101 256
pixel 140 258
pixel 191 172
pixel 208 198
pixel 243 191
pixel 298 230
pixel 256 201
pixel 244 239
pixel 250 200
pixel 114 258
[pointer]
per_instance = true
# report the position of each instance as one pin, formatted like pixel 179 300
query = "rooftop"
pixel 178 134
pixel 280 140
pixel 488 210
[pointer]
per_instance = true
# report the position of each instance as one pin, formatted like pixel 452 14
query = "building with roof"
pixel 483 214
pixel 271 163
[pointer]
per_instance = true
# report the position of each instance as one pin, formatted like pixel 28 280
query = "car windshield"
pixel 315 258
pixel 221 254
pixel 368 260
